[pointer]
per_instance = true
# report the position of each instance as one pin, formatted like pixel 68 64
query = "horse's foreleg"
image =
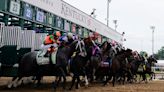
pixel 38 78
pixel 113 81
pixel 124 79
pixel 15 82
pixel 78 81
pixel 107 80
pixel 73 82
pixel 140 76
pixel 18 82
pixel 86 81
pixel 151 77
pixel 64 77
pixel 144 77
pixel 59 80
pixel 64 81
pixel 154 75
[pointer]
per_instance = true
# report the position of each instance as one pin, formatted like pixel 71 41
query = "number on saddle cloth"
pixel 106 63
pixel 41 60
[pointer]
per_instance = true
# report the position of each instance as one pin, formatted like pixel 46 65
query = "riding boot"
pixel 46 54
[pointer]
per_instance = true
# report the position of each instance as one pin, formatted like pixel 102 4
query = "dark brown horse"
pixel 94 62
pixel 118 64
pixel 106 55
pixel 150 62
pixel 28 65
pixel 139 66
pixel 79 63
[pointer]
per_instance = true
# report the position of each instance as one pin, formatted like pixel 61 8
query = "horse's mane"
pixel 103 44
pixel 108 46
pixel 152 59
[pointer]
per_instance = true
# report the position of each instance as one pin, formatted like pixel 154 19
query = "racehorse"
pixel 139 66
pixel 118 64
pixel 94 61
pixel 106 55
pixel 133 63
pixel 81 62
pixel 28 64
pixel 150 62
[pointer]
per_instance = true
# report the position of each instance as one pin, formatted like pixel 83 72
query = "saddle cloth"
pixel 41 60
pixel 140 68
pixel 104 64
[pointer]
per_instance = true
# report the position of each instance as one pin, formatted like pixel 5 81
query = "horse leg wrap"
pixel 86 81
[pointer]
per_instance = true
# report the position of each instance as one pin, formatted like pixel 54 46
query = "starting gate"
pixel 14 43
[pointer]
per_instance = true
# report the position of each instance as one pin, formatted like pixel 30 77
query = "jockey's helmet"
pixel 94 35
pixel 57 33
pixel 70 35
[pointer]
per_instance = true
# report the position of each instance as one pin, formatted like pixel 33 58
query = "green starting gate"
pixel 14 43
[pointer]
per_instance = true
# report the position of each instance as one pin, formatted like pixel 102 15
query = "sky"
pixel 134 18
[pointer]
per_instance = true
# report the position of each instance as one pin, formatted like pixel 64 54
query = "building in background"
pixel 54 15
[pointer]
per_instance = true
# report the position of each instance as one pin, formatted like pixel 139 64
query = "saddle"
pixel 106 63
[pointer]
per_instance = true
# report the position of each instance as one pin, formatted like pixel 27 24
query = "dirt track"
pixel 153 86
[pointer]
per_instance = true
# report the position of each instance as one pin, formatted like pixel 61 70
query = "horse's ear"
pixel 109 45
pixel 129 50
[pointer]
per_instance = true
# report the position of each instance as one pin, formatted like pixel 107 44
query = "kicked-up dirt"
pixel 151 86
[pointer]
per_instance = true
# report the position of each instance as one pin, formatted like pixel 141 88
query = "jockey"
pixel 67 38
pixel 70 37
pixel 145 56
pixel 92 37
pixel 51 40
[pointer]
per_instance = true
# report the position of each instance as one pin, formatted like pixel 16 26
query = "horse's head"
pixel 88 42
pixel 128 52
pixel 136 56
pixel 151 60
pixel 66 52
pixel 106 46
pixel 78 47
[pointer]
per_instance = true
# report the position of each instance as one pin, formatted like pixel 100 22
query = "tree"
pixel 160 53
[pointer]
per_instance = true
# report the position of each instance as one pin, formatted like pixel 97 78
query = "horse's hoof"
pixel 104 85
pixel 15 85
pixel 64 88
pixel 54 86
pixel 9 86
pixel 54 89
pixel 86 85
pixel 37 85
